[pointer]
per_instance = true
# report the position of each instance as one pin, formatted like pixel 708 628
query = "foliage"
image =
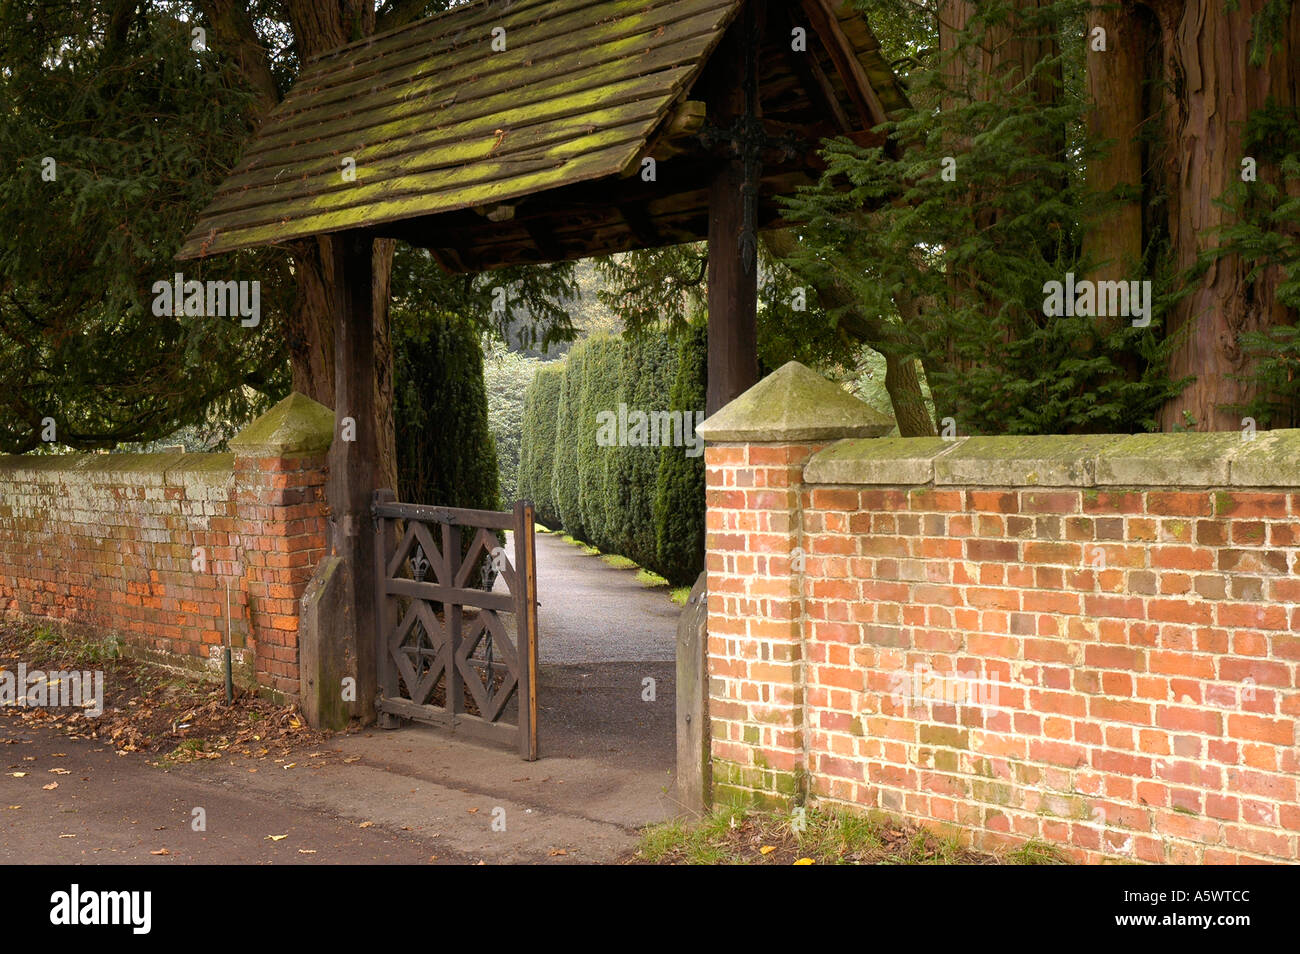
pixel 679 487
pixel 139 128
pixel 1265 231
pixel 666 288
pixel 447 453
pixel 523 305
pixel 618 498
pixel 976 248
pixel 602 367
pixel 506 375
pixel 649 365
pixel 569 434
pixel 538 441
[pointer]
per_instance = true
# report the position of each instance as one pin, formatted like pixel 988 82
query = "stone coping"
pixel 794 403
pixel 295 427
pixel 1193 459
pixel 138 466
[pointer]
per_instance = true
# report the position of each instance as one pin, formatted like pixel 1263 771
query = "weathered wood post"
pixel 733 347
pixel 353 456
pixel 733 215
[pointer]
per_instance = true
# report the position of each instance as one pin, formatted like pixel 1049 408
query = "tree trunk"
pixel 1211 90
pixel 904 387
pixel 1116 88
pixel 1005 59
pixel 310 335
pixel 319 27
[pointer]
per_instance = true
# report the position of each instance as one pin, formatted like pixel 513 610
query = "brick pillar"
pixel 281 527
pixel 758 445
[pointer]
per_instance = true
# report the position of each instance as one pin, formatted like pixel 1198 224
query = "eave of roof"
pixel 434 119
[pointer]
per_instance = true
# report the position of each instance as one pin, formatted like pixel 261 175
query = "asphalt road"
pixel 410 796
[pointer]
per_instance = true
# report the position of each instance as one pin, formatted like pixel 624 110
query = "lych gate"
pixel 532 131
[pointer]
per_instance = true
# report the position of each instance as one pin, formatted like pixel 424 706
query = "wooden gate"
pixel 447 654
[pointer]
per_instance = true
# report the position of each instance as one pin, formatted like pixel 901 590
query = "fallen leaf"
pixel 60 771
pixel 18 774
pixel 277 837
pixel 767 849
pixel 160 851
pixel 366 825
pixel 557 851
pixel 306 851
pixel 14 807
pixel 290 765
pixel 51 786
pixel 473 811
pixel 352 758
pixel 805 861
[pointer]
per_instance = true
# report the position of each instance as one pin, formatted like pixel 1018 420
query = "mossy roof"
pixel 434 119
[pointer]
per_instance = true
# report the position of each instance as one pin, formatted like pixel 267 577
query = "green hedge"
pixel 645 502
pixel 679 488
pixel 537 448
pixel 564 473
pixel 602 363
pixel 445 451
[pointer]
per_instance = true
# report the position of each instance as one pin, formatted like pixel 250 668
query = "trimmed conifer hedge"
pixel 537 447
pixel 621 492
pixel 445 451
pixel 679 488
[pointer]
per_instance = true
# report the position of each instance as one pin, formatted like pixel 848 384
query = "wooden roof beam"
pixel 545 241
pixel 812 77
pixel 822 17
pixel 641 225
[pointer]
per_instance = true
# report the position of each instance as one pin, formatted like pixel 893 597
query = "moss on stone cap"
pixel 885 460
pixel 296 426
pixel 1179 459
pixel 794 403
pixel 1067 460
pixel 1198 459
pixel 1270 459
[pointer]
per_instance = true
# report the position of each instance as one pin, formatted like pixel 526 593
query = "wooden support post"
pixel 353 455
pixel 733 282
pixel 386 672
pixel 526 625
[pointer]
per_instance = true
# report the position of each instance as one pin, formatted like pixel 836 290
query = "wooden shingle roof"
pixel 433 120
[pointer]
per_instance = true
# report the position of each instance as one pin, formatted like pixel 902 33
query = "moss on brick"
pixel 945 735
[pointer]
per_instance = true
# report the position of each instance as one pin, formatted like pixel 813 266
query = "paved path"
pixel 591 612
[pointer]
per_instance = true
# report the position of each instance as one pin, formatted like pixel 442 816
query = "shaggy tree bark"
pixel 1211 89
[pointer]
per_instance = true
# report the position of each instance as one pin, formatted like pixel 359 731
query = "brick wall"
pixel 1088 641
pixel 111 542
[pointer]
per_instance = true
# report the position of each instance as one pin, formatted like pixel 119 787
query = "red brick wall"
pixel 1110 670
pixel 109 542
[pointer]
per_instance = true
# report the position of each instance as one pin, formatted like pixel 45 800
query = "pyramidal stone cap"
pixel 296 426
pixel 794 403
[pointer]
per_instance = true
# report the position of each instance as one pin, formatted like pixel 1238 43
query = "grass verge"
pixel 738 836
